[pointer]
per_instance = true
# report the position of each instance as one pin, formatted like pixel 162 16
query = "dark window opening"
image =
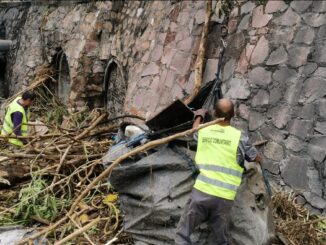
pixel 61 87
pixel 115 89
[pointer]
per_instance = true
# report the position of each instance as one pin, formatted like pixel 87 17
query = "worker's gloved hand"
pixel 200 113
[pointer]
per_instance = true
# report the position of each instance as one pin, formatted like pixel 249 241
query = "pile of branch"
pixel 54 168
pixel 294 222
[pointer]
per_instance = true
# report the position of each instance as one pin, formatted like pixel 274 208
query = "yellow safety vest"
pixel 220 174
pixel 8 125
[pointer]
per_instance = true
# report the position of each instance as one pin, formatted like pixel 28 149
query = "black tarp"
pixel 155 188
pixel 153 192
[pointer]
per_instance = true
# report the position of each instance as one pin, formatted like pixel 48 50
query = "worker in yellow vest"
pixel 16 119
pixel 221 152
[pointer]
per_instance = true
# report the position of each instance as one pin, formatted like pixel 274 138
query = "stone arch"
pixel 62 86
pixel 115 88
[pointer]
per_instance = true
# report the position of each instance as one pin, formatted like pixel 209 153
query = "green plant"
pixel 45 206
pixel 55 116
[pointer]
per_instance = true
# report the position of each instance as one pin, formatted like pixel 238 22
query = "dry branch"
pixel 78 232
pixel 201 54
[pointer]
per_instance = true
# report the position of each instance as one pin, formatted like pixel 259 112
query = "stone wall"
pixel 154 44
pixel 274 68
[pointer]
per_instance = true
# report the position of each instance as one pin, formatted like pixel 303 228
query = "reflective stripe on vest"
pixel 220 174
pixel 8 126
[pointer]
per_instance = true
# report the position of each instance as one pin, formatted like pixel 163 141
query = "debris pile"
pixel 58 185
pixel 294 222
pixel 40 182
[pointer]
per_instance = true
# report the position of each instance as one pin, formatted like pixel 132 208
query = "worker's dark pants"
pixel 203 207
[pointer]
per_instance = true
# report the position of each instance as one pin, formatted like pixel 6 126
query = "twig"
pixel 78 232
pixel 84 233
pixel 95 123
pixel 60 164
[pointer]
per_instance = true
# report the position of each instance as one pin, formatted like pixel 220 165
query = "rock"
pixel 270 132
pixel 168 54
pixel 279 36
pixel 242 66
pixel 239 89
pixel 298 55
pixel 259 19
pixel 186 44
pixel 289 18
pixel 228 69
pixel 319 6
pixel 275 95
pixel 285 74
pixel 296 166
pixel 293 91
pixel 280 116
pixel 181 62
pixel 304 35
pixel 300 6
pixel 275 6
pixel 274 151
pixel 314 20
pixel 150 69
pixel 301 128
pixel 321 127
pixel 139 12
pixel 260 76
pixel 320 72
pixel 321 32
pixel 279 56
pixel 307 69
pixel 260 99
pixel 256 120
pixel 247 7
pixel 321 108
pixel 210 70
pixel 307 111
pixel 314 88
pixel 315 200
pixel 157 53
pixel 243 111
pixel 294 144
pixel 272 166
pixel 200 16
pixel 244 23
pixel 316 148
pixel 260 52
pixel 320 53
pixel 236 43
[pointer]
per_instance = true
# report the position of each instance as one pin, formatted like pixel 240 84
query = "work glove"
pixel 200 113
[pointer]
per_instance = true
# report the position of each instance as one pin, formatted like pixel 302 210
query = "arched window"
pixel 62 86
pixel 115 89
